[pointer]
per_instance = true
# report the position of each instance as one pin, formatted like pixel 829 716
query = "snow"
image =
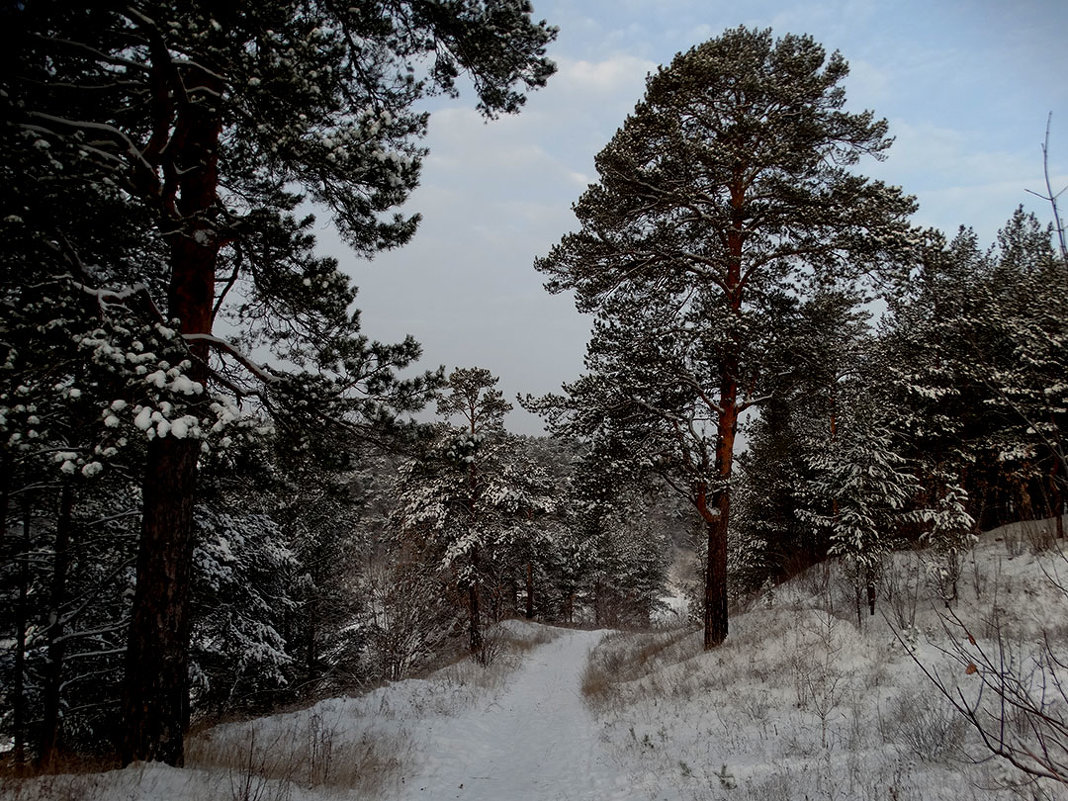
pixel 799 702
pixel 537 741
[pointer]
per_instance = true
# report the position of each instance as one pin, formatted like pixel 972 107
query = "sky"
pixel 966 86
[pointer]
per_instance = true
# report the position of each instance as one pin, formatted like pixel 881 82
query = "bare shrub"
pixel 816 580
pixel 818 681
pixel 902 584
pixel 1013 694
pixel 257 777
pixel 1014 544
pixel 929 730
pixel 1040 535
pixel 56 787
pixel 979 577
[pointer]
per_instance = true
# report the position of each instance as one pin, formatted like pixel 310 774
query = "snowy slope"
pixel 798 703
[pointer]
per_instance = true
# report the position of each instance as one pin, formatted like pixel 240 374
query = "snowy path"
pixel 536 741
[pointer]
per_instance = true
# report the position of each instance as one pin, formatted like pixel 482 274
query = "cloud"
pixel 614 76
pixel 496 195
pixel 959 178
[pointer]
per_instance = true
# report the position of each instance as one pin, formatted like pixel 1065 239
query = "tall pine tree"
pixel 728 184
pixel 199 123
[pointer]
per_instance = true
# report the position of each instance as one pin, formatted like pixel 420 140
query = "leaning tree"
pixel 726 193
pixel 203 126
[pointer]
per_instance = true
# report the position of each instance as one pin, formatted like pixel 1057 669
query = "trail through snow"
pixel 535 741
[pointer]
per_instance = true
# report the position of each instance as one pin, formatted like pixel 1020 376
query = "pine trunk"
pixel 717 519
pixel 1056 498
pixel 715 601
pixel 474 627
pixel 56 641
pixel 870 575
pixel 530 590
pixel 18 693
pixel 156 692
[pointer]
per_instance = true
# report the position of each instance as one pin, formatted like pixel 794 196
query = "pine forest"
pixel 795 528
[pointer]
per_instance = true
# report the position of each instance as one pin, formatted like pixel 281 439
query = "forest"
pixel 221 497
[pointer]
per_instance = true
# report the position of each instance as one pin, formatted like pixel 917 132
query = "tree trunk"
pixel 530 590
pixel 715 605
pixel 56 642
pixel 1056 498
pixel 856 595
pixel 155 693
pixel 21 621
pixel 311 634
pixel 869 576
pixel 717 519
pixel 5 496
pixel 474 627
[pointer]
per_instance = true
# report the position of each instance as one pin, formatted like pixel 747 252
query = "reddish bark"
pixel 156 694
pixel 717 521
pixel 717 514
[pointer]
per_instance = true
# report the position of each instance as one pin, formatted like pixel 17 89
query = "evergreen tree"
pixel 728 184
pixel 974 344
pixel 867 488
pixel 197 123
pixel 451 490
pixel 815 376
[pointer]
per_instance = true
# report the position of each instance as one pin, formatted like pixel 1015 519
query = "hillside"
pixel 797 704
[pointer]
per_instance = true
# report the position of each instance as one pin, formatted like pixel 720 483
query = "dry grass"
pixel 88 786
pixel 620 658
pixel 68 777
pixel 309 753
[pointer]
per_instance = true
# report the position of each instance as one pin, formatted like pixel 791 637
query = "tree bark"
pixel 869 575
pixel 474 622
pixel 1056 498
pixel 56 642
pixel 530 590
pixel 156 693
pixel 717 520
pixel 715 600
pixel 21 622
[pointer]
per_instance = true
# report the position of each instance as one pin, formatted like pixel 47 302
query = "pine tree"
pixel 728 183
pixel 196 122
pixel 974 343
pixel 867 488
pixel 815 373
pixel 449 491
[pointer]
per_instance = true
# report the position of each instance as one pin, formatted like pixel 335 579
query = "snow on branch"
pixel 111 131
pixel 234 353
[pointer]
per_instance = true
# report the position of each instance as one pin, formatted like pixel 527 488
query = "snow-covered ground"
pixel 798 703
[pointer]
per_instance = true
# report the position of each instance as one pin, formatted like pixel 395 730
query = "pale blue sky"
pixel 965 84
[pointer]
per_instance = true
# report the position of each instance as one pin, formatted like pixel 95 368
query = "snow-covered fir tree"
pixel 865 487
